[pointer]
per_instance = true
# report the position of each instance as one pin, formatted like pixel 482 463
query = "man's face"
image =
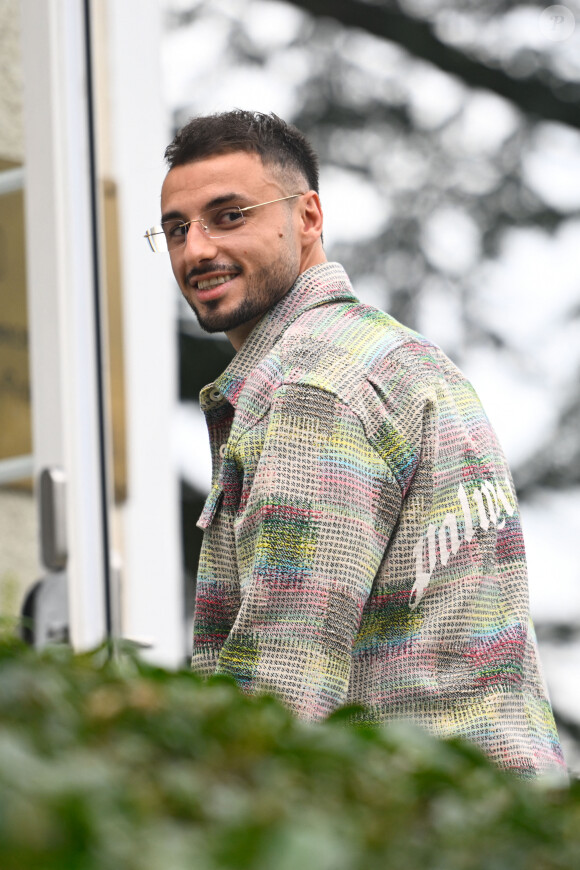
pixel 230 282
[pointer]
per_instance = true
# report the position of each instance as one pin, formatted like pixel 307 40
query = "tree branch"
pixel 531 95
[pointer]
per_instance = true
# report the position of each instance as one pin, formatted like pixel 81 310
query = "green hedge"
pixel 121 766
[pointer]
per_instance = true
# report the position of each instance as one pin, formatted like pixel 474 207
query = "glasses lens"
pixel 157 241
pixel 218 222
pixel 174 234
pixel 215 223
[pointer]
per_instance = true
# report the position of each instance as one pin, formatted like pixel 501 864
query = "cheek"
pixel 180 273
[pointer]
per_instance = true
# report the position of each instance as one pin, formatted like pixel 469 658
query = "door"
pixel 54 498
pixel 75 338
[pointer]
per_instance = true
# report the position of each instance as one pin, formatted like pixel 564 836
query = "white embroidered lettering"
pixel 483 517
pixel 422 577
pixel 508 507
pixel 491 496
pixel 491 499
pixel 462 495
pixel 449 524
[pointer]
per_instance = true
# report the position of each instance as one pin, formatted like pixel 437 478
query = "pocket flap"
pixel 210 507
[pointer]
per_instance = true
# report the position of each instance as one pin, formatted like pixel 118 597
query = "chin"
pixel 218 321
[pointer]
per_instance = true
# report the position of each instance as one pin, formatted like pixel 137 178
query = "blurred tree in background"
pixel 448 137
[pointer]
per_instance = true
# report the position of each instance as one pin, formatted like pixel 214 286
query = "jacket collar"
pixel 319 285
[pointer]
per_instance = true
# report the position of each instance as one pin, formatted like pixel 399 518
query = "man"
pixel 362 537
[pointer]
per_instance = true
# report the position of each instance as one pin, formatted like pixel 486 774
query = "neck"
pixel 237 336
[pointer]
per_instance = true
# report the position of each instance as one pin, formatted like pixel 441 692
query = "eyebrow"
pixel 172 215
pixel 212 203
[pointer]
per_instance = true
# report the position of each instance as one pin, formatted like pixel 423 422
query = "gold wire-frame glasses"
pixel 215 223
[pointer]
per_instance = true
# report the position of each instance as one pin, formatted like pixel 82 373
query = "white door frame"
pixel 61 282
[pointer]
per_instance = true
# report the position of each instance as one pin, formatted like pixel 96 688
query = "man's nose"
pixel 198 245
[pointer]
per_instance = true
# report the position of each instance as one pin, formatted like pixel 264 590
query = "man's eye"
pixel 227 218
pixel 177 231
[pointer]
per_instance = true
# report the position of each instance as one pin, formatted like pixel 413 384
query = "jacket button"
pixel 216 395
pixel 222 450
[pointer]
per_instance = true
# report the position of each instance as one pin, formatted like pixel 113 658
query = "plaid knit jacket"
pixel 362 537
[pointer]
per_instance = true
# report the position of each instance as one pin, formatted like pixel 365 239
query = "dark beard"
pixel 214 321
pixel 267 287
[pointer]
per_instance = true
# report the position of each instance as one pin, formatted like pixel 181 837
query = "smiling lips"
pixel 210 283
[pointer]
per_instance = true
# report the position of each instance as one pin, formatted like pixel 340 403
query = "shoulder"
pixel 362 356
pixel 344 346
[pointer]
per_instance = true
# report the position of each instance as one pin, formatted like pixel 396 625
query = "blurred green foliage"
pixel 116 764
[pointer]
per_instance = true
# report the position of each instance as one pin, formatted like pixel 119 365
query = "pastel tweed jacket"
pixel 362 537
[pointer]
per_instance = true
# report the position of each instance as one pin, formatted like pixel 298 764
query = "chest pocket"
pixel 211 506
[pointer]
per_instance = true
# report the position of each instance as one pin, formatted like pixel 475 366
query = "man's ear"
pixel 311 216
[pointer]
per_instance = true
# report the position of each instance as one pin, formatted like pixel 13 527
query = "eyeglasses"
pixel 215 223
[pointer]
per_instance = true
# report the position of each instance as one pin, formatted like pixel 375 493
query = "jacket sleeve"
pixel 318 507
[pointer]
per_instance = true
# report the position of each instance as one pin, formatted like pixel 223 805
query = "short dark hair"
pixel 276 142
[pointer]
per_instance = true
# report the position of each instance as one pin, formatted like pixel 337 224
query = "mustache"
pixel 199 272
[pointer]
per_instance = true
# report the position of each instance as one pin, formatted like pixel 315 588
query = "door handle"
pixel 53 542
